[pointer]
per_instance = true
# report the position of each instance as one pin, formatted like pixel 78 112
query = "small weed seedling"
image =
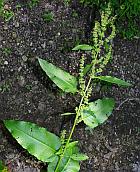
pixel 66 2
pixel 61 153
pixel 48 16
pixel 6 51
pixel 33 3
pixel 28 87
pixel 5 87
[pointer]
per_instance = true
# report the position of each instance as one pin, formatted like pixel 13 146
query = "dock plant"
pixel 62 153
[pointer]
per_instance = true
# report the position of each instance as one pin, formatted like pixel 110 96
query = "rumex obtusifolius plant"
pixel 61 153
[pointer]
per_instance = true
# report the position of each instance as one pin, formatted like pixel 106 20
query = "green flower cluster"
pixel 101 52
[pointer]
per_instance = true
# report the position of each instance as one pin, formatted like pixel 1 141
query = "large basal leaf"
pixel 84 47
pixel 70 161
pixel 67 165
pixel 70 165
pixel 61 78
pixel 113 80
pixel 38 141
pixel 52 165
pixel 97 112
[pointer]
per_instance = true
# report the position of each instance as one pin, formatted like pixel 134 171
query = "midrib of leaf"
pixel 59 78
pixel 74 125
pixel 94 116
pixel 87 116
pixel 65 167
pixel 36 140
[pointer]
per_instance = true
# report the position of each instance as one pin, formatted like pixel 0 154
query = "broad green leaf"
pixel 61 78
pixel 52 158
pixel 89 118
pixel 71 165
pixel 87 68
pixel 67 165
pixel 3 168
pixel 52 165
pixel 97 112
pixel 70 161
pixel 79 157
pixel 113 80
pixel 38 141
pixel 84 47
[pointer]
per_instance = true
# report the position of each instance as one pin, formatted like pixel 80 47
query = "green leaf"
pixel 67 165
pixel 71 149
pixel 38 141
pixel 79 157
pixel 97 112
pixel 87 69
pixel 3 168
pixel 52 158
pixel 61 78
pixel 1 165
pixel 52 165
pixel 70 165
pixel 70 161
pixel 113 80
pixel 84 47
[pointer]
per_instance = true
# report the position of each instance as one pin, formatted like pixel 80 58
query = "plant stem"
pixel 74 125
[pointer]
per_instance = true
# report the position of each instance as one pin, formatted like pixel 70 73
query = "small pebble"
pixel 29 111
pixel 1 38
pixel 24 58
pixel 51 42
pixel 21 81
pixel 7 7
pixel 58 33
pixel 43 45
pixel 41 106
pixel 17 24
pixel 5 27
pixel 6 63
pixel 14 35
pixel 19 69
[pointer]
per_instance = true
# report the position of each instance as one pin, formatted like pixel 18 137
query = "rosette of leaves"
pixel 45 145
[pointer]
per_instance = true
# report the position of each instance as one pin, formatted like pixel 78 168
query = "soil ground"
pixel 27 94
